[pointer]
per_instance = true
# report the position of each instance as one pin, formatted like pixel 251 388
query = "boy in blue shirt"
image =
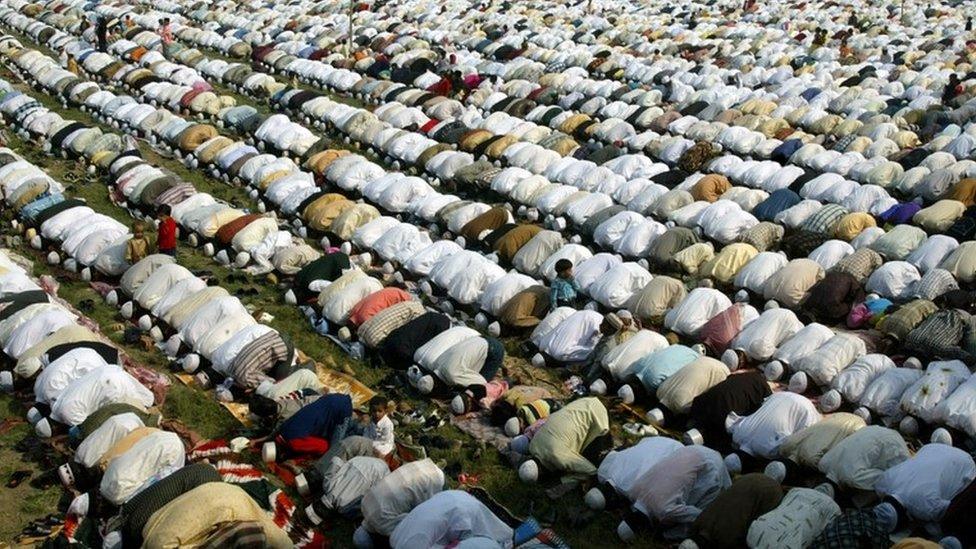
pixel 565 290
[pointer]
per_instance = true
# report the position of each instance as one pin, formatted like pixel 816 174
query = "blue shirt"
pixel 317 419
pixel 563 290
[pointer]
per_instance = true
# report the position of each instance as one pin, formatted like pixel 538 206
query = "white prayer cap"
pixel 112 298
pixel 425 384
pixel 825 488
pixel 512 427
pixel 79 506
pixel 156 334
pixel 595 500
pixel 53 258
pixel 872 297
pixel 950 542
pixel 127 308
pixel 222 257
pixel 693 437
pixel 887 516
pixel 480 320
pixel 688 544
pixel 941 436
pixel 559 224
pixel 775 470
pixel 731 359
pixel 86 274
pixel 269 452
pixel 626 394
pixel 192 240
pixel 173 345
pixel 34 415
pixel 361 538
pixel 388 268
pixel 290 297
pixel 495 329
pixel 365 259
pixel 529 471
pixel 908 426
pixel 447 307
pixel 325 242
pixel 741 296
pixel 625 532
pixel 70 265
pixel 830 401
pixel 344 334
pixel 345 248
pixel 624 314
pixel 520 444
pixel 706 283
pixel 863 413
pixel 771 304
pixel 773 370
pixel 191 362
pixel 457 405
pixel 301 484
pixel 414 374
pixel 798 383
pixel 6 381
pixel 655 417
pixel 599 387
pixel 538 360
pixel 733 463
pixel 460 241
pixel 698 348
pixel 145 323
pixel 426 288
pixel 43 428
pixel 913 363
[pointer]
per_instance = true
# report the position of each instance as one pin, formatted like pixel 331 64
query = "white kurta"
pixel 105 385
pixel 782 414
pixel 446 518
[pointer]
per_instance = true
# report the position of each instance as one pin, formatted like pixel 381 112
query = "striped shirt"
pixel 374 331
pixel 252 363
pixel 899 323
pixel 938 336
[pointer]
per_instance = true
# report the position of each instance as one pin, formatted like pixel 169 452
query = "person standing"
pixel 101 32
pixel 166 36
pixel 166 239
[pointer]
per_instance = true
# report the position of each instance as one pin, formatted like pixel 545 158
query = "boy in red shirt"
pixel 166 240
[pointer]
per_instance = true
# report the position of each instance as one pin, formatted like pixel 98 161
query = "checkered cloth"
pixel 853 530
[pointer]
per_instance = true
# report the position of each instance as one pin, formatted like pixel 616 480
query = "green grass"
pixel 198 409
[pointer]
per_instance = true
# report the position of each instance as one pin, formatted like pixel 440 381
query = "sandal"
pixel 18 477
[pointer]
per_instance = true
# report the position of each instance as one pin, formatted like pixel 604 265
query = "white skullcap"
pixel 365 259
pixel 941 436
pixel 538 360
pixel 43 428
pixel 698 348
pixel 301 484
pixel 731 359
pixel 425 384
pixel 70 265
pixel 6 381
pixel 398 277
pixel 625 532
pixel 693 437
pixel 775 470
pixel 830 401
pixel 826 489
pixel 887 516
pixel 520 444
pixel 325 243
pixel 798 383
pixel 361 538
pixel 480 320
pixel 863 413
pixel 625 314
pixel 457 405
pixel 950 542
pixel 173 345
pixel 290 297
pixel 460 241
pixel 771 304
pixel 414 374
pixel 36 242
pixel 773 370
pixel 86 274
pixel 79 506
pixel 345 248
pixel 388 268
pixel 34 415
pixel 447 307
pixel 222 257
pixel 908 426
pixel 913 363
pixel 495 329
pixel 741 296
pixel 688 544
pixel 269 452
pixel 529 471
pixel 595 499
pixel 626 394
pixel 512 427
pixel 426 288
pixel 156 334
pixel 599 387
pixel 145 323
pixel 591 306
pixel 191 362
pixel 655 417
pixel 706 283
pixel 112 298
pixel 733 463
pixel 344 334
pixel 872 297
pixel 559 224
pixel 127 309
pixel 53 258
pixel 208 249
